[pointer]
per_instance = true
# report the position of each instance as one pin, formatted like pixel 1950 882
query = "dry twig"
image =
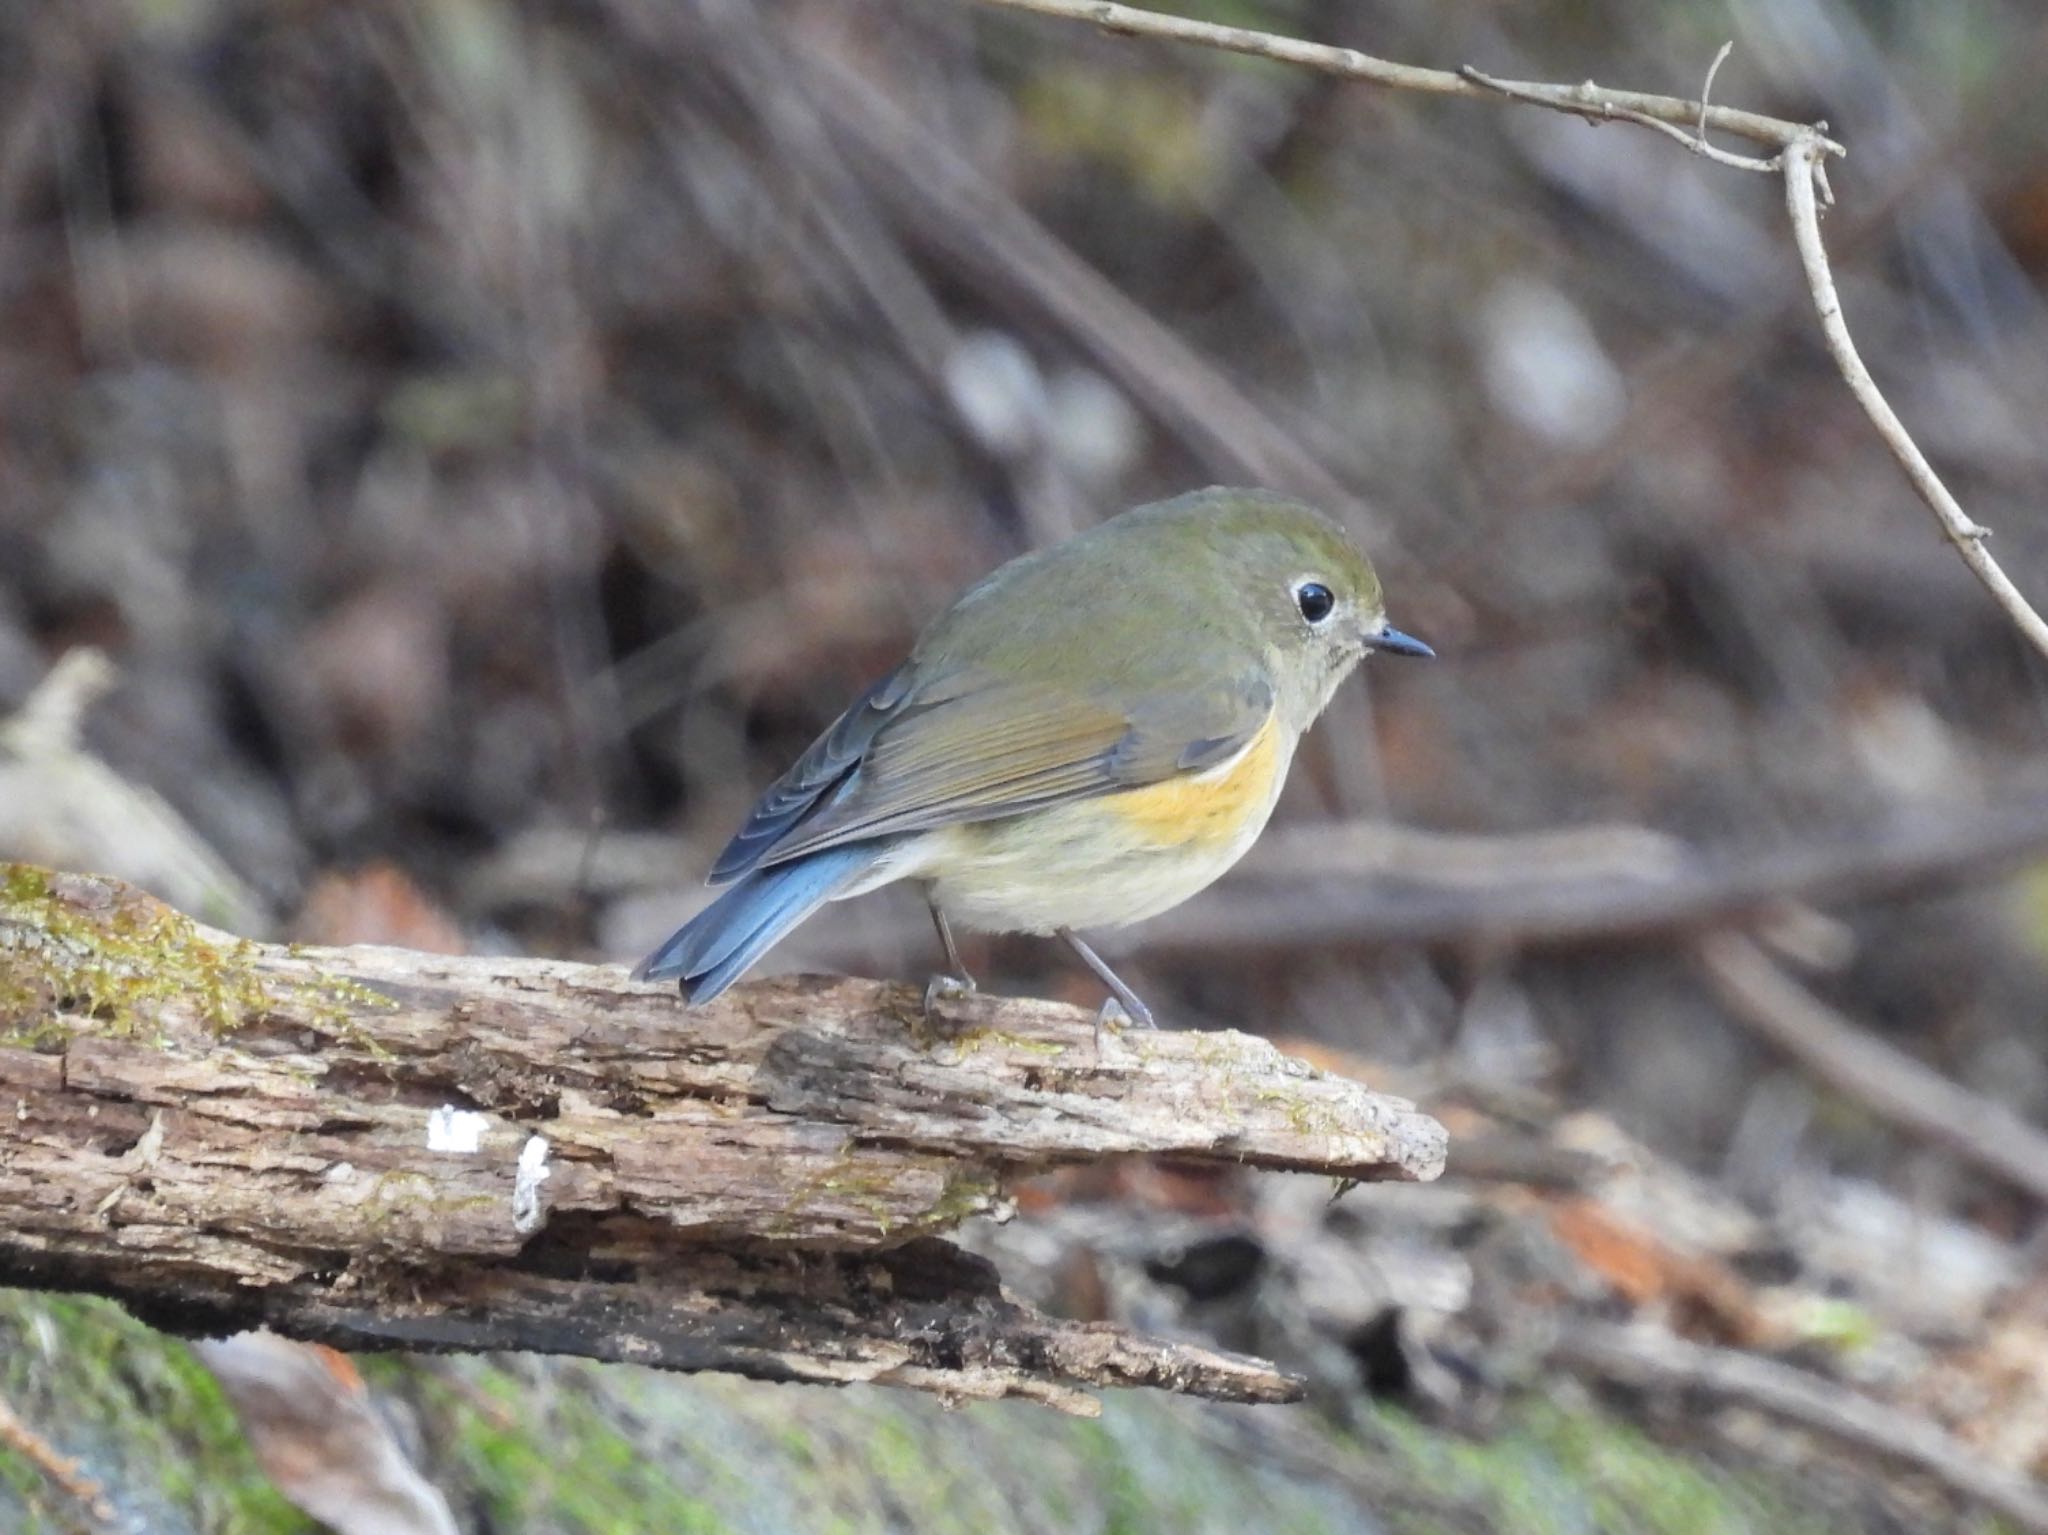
pixel 1598 108
pixel 1584 100
pixel 1805 173
pixel 1803 149
pixel 58 1469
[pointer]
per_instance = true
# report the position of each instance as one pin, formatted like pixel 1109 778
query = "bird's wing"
pixel 815 776
pixel 973 746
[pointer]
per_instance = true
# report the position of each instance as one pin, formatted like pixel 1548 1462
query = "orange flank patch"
pixel 1208 808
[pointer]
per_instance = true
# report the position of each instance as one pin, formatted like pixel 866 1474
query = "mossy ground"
pixel 613 1450
pixel 1549 1471
pixel 142 1417
pixel 564 1445
pixel 531 1445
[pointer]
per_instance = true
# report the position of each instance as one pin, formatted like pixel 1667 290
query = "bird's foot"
pixel 1113 1017
pixel 947 988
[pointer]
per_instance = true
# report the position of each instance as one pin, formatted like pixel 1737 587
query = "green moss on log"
pixel 83 954
pixel 112 966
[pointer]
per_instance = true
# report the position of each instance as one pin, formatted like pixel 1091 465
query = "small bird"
pixel 1086 738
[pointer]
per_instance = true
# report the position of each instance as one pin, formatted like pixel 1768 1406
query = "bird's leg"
pixel 1124 1005
pixel 958 983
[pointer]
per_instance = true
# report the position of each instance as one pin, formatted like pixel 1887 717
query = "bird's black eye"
pixel 1315 601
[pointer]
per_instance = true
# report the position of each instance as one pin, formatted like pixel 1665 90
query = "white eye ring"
pixel 1314 601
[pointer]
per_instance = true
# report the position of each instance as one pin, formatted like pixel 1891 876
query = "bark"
pixel 376 1147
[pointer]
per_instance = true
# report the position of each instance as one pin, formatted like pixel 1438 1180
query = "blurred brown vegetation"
pixel 491 438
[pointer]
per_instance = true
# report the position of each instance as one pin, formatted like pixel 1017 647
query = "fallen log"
pixel 374 1147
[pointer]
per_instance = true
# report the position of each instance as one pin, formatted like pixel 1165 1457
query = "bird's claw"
pixel 1113 1018
pixel 947 988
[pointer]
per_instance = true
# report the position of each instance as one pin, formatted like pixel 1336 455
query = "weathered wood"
pixel 373 1146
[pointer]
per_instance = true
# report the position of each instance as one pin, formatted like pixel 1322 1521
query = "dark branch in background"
pixel 375 1147
pixel 1370 885
pixel 1530 898
pixel 1889 1082
pixel 1643 1360
pixel 1803 150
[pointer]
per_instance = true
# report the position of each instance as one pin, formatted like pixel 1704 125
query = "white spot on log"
pixel 527 1210
pixel 340 1172
pixel 458 1130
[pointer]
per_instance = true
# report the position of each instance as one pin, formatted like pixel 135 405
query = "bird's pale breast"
pixel 1114 859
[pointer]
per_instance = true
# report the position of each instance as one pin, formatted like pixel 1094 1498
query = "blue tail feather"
pixel 716 947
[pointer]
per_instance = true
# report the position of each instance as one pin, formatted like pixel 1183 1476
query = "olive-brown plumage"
pixel 1087 737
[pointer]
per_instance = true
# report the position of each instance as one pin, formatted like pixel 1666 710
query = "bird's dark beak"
pixel 1395 643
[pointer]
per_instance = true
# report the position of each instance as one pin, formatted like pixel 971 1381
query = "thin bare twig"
pixel 58 1469
pixel 1889 1082
pixel 1584 100
pixel 1803 149
pixel 1596 107
pixel 1707 85
pixel 1804 177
